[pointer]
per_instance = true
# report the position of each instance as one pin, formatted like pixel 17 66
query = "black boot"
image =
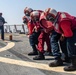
pixel 47 53
pixel 40 56
pixel 34 52
pixel 67 60
pixel 72 67
pixel 57 62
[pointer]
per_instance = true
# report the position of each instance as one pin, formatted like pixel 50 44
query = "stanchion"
pixel 10 37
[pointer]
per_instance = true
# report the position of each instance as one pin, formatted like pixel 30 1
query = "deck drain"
pixel 8 55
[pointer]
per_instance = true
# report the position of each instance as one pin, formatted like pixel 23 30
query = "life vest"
pixel 63 16
pixel 37 25
pixel 47 25
pixel 32 24
pixel 30 27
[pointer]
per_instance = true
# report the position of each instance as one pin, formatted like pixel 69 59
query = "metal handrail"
pixel 15 28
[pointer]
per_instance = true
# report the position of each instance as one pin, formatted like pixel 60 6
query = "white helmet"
pixel 35 14
pixel 51 11
pixel 28 10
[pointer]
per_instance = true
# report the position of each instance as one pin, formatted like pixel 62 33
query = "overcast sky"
pixel 13 9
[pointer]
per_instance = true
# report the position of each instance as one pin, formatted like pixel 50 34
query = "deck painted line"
pixel 15 35
pixel 8 46
pixel 33 65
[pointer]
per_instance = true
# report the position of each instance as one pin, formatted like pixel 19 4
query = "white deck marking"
pixel 8 46
pixel 33 65
pixel 16 35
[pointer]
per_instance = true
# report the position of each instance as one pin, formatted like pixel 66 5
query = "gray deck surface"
pixel 20 52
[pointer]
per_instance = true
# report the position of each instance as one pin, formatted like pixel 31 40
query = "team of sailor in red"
pixel 44 23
